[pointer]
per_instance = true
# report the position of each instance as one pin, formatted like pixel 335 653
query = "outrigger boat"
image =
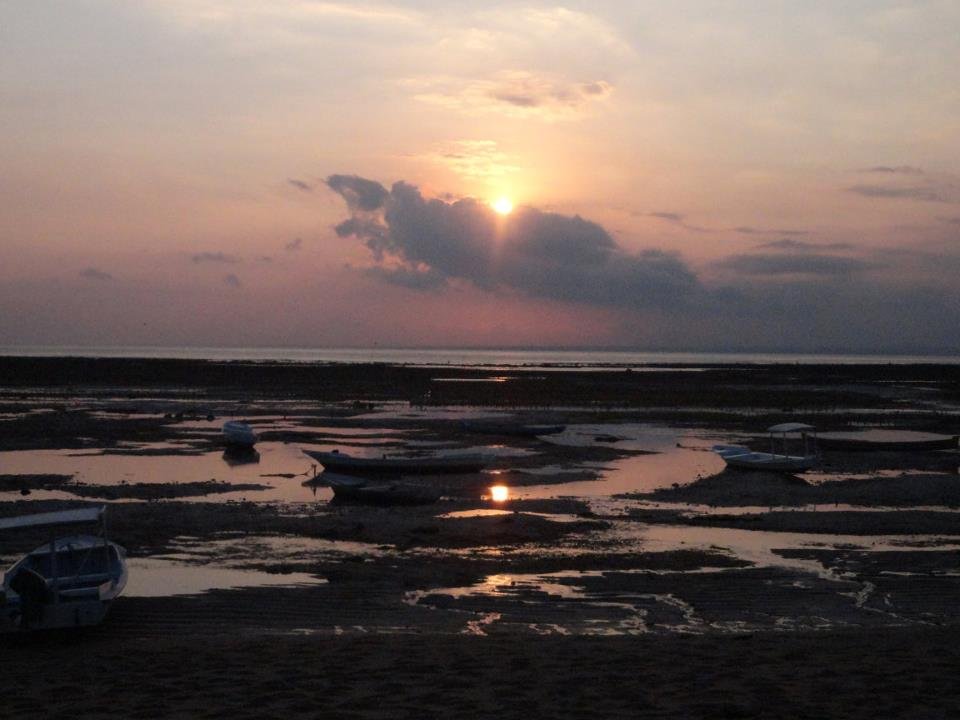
pixel 67 582
pixel 738 456
pixel 339 462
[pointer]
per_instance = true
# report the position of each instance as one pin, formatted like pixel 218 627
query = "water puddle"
pixel 155 577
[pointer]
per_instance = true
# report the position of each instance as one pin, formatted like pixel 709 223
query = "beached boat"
pixel 69 581
pixel 509 429
pixel 238 434
pixel 349 489
pixel 410 465
pixel 887 440
pixel 778 459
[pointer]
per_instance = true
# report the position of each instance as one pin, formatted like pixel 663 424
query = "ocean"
pixel 505 358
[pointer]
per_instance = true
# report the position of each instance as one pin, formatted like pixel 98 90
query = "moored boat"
pixel 349 489
pixel 740 457
pixel 239 434
pixel 70 581
pixel 411 465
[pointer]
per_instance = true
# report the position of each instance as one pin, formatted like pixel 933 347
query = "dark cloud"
pixel 426 243
pixel 93 273
pixel 895 170
pixel 769 264
pixel 924 194
pixel 265 259
pixel 294 245
pixel 232 280
pixel 300 185
pixel 214 257
pixel 793 245
pixel 361 194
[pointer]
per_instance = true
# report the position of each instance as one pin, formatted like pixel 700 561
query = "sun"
pixel 502 205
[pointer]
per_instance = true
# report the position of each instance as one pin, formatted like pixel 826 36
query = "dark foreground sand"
pixel 893 673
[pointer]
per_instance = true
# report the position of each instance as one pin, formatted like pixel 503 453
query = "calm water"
pixel 472 357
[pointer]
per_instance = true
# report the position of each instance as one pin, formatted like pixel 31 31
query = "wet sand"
pixel 716 594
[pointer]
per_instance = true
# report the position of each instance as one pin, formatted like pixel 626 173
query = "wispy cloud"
pixel 214 257
pixel 473 158
pixel 93 273
pixel 680 221
pixel 232 280
pixel 895 170
pixel 924 194
pixel 791 244
pixel 770 264
pixel 748 230
pixel 516 93
pixel 300 184
pixel 294 245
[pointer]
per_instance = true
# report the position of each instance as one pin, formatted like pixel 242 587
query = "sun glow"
pixel 499 493
pixel 502 205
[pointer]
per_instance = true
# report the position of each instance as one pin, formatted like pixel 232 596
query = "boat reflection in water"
pixel 240 455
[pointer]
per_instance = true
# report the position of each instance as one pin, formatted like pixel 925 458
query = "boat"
pixel 362 491
pixel 509 429
pixel 239 434
pixel 69 581
pixel 339 462
pixel 889 440
pixel 740 457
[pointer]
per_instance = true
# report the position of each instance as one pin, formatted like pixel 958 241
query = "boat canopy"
pixel 62 517
pixel 789 427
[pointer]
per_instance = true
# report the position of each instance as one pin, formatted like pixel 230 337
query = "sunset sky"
pixel 688 175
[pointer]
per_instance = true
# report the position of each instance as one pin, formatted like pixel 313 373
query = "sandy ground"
pixel 891 674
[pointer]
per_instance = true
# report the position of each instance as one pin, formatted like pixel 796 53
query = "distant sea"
pixel 495 358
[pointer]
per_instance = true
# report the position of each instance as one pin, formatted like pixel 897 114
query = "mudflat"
pixel 628 574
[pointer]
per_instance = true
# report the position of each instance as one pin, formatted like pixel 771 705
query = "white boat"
pixel 69 581
pixel 239 434
pixel 778 459
pixel 417 465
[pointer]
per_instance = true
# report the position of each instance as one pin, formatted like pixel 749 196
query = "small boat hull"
pixel 743 458
pixel 348 465
pixel 353 490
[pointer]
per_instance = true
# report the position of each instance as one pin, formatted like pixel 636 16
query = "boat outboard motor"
pixel 34 594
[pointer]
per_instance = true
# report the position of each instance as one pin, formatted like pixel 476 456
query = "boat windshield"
pixel 73 562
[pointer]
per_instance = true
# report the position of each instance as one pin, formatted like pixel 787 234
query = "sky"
pixel 716 175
